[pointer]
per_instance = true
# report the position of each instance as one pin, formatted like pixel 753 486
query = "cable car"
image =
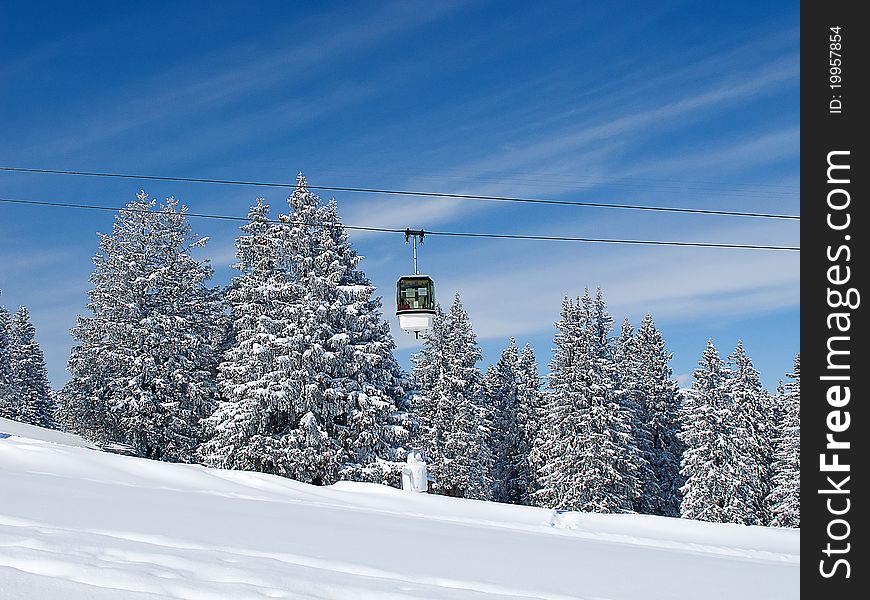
pixel 415 295
pixel 415 303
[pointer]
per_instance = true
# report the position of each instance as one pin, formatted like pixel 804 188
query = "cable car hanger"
pixel 415 233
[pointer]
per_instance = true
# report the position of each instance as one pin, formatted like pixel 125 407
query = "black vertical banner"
pixel 835 422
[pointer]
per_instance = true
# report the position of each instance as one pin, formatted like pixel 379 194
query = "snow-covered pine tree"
pixel 531 402
pixel 784 499
pixel 753 450
pixel 584 454
pixel 659 397
pixel 507 389
pixel 363 378
pixel 530 398
pixel 629 365
pixel 552 457
pixel 618 476
pixel 8 403
pixel 311 385
pixel 143 370
pixel 311 453
pixel 713 491
pixel 254 410
pixel 499 387
pixel 29 382
pixel 426 403
pixel 449 406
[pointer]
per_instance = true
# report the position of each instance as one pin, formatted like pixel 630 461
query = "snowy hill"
pixel 77 523
pixel 24 430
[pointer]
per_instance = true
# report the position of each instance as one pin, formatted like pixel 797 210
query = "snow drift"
pixel 78 523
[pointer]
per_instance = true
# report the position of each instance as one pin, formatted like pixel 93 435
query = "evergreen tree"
pixel 554 445
pixel 8 402
pixel 143 370
pixel 531 405
pixel 29 377
pixel 449 406
pixel 658 397
pixel 620 473
pixel 585 455
pixel 431 411
pixel 631 373
pixel 311 454
pixel 713 490
pixel 310 387
pixel 254 410
pixel 364 379
pixel 753 450
pixel 505 387
pixel 531 398
pixel 784 500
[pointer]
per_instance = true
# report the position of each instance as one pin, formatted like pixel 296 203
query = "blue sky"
pixel 668 103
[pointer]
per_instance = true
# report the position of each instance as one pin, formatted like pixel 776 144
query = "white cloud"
pixel 621 124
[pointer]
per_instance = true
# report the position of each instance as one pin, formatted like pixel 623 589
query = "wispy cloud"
pixel 624 125
pixel 758 150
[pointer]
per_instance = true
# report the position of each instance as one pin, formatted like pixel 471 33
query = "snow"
pixel 355 289
pixel 14 428
pixel 415 477
pixel 76 523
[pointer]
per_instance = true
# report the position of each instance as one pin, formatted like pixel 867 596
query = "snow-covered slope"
pixel 77 523
pixel 10 428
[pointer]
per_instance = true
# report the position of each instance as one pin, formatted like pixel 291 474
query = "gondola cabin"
pixel 415 303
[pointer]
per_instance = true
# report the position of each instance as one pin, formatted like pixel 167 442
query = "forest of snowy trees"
pixel 290 370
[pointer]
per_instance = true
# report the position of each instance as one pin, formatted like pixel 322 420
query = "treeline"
pixel 288 371
pixel 291 370
pixel 610 431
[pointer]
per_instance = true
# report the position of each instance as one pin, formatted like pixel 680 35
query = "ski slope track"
pixel 77 523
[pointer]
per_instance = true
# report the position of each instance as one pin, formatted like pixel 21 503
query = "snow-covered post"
pixel 415 476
